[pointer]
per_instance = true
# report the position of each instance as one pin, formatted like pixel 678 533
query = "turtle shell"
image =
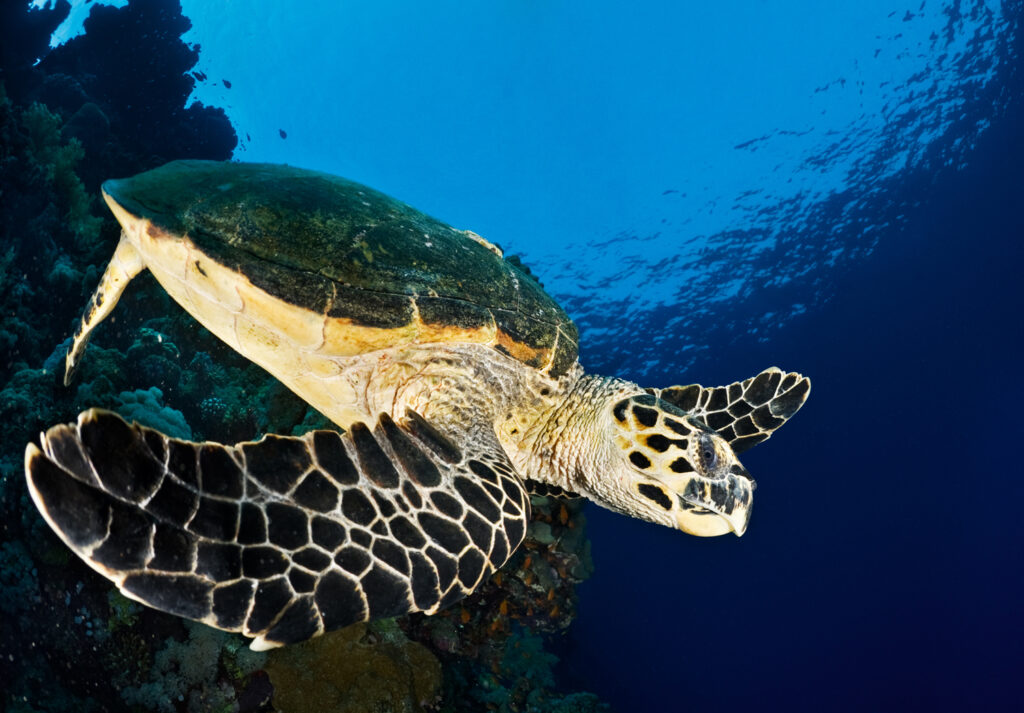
pixel 368 263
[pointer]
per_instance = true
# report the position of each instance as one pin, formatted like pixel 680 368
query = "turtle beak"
pixel 710 507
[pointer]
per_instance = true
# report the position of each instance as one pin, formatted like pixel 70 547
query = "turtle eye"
pixel 708 454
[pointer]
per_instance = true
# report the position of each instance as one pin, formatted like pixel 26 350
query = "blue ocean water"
pixel 711 189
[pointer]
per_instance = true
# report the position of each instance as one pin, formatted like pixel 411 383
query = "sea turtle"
pixel 453 375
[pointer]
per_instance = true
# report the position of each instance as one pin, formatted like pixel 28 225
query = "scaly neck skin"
pixel 554 431
pixel 569 445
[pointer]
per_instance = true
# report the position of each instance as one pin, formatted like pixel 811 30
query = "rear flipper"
pixel 125 264
pixel 284 538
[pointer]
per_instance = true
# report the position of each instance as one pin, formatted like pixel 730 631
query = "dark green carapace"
pixel 338 248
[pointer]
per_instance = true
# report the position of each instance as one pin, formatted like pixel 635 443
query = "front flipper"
pixel 744 413
pixel 284 538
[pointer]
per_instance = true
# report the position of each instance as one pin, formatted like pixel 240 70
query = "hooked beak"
pixel 711 507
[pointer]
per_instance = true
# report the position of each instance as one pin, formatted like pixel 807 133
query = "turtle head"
pixel 676 470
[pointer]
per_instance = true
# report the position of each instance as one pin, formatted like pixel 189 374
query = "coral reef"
pixel 68 121
pixel 60 134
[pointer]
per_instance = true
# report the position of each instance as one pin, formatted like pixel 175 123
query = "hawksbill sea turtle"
pixel 451 371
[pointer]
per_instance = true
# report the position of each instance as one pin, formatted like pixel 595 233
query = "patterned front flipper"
pixel 747 412
pixel 284 538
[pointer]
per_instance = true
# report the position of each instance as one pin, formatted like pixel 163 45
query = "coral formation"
pixel 360 668
pixel 197 674
pixel 145 406
pixel 57 157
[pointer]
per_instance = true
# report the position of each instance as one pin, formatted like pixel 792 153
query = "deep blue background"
pixel 884 567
